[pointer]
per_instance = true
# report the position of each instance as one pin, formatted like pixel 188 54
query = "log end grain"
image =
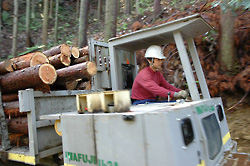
pixel 47 73
pixel 38 58
pixel 65 60
pixel 65 49
pixel 75 52
pixel 9 65
pixel 91 68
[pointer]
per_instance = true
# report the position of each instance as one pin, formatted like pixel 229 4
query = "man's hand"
pixel 182 94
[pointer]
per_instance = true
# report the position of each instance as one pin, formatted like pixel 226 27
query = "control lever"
pixel 169 96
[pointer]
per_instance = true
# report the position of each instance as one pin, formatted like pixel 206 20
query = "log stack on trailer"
pixel 59 68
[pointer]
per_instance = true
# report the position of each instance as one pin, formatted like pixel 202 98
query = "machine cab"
pixel 117 68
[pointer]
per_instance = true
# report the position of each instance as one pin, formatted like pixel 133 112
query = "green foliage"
pixel 7 20
pixel 32 49
pixel 145 5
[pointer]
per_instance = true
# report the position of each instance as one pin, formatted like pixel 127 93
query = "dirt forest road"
pixel 238 120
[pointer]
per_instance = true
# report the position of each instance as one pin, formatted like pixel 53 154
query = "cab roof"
pixel 190 27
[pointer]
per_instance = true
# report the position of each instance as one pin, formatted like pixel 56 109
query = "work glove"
pixel 181 95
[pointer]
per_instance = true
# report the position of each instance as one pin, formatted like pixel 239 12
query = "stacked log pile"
pixel 59 68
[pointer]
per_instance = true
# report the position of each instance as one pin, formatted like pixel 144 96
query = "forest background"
pixel 37 25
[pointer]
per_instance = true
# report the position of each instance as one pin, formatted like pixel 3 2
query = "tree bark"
pixel 79 71
pixel 9 97
pixel 56 23
pixel 110 19
pixel 33 4
pixel 127 8
pixel 227 54
pixel 11 105
pixel 83 22
pixel 137 6
pixel 63 48
pixel 99 10
pixel 18 125
pixel 84 51
pixel 14 113
pixel 157 7
pixel 80 60
pixel 15 28
pixel 45 23
pixel 1 19
pixel 59 61
pixel 28 60
pixel 6 67
pixel 28 37
pixel 51 9
pixel 28 78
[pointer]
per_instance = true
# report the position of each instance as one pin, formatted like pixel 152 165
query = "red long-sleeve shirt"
pixel 148 84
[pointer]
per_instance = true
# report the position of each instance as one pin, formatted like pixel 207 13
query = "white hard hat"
pixel 154 51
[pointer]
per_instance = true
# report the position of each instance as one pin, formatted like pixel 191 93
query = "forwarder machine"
pixel 190 132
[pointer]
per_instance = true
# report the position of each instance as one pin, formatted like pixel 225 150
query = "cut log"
pixel 18 125
pixel 9 97
pixel 6 66
pixel 75 52
pixel 43 87
pixel 11 105
pixel 60 61
pixel 14 113
pixel 80 60
pixel 84 85
pixel 18 139
pixel 63 48
pixel 84 51
pixel 28 78
pixel 78 71
pixel 31 59
pixel 38 58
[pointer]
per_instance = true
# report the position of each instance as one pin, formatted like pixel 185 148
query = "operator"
pixel 150 83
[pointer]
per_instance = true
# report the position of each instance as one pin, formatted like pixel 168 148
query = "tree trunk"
pixel 33 6
pixel 28 78
pixel 78 71
pixel 99 10
pixel 137 7
pixel 110 19
pixel 127 8
pixel 59 61
pixel 56 23
pixel 157 7
pixel 61 49
pixel 15 28
pixel 227 54
pixel 77 9
pixel 51 9
pixel 28 37
pixel 1 19
pixel 83 22
pixel 6 66
pixel 45 23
